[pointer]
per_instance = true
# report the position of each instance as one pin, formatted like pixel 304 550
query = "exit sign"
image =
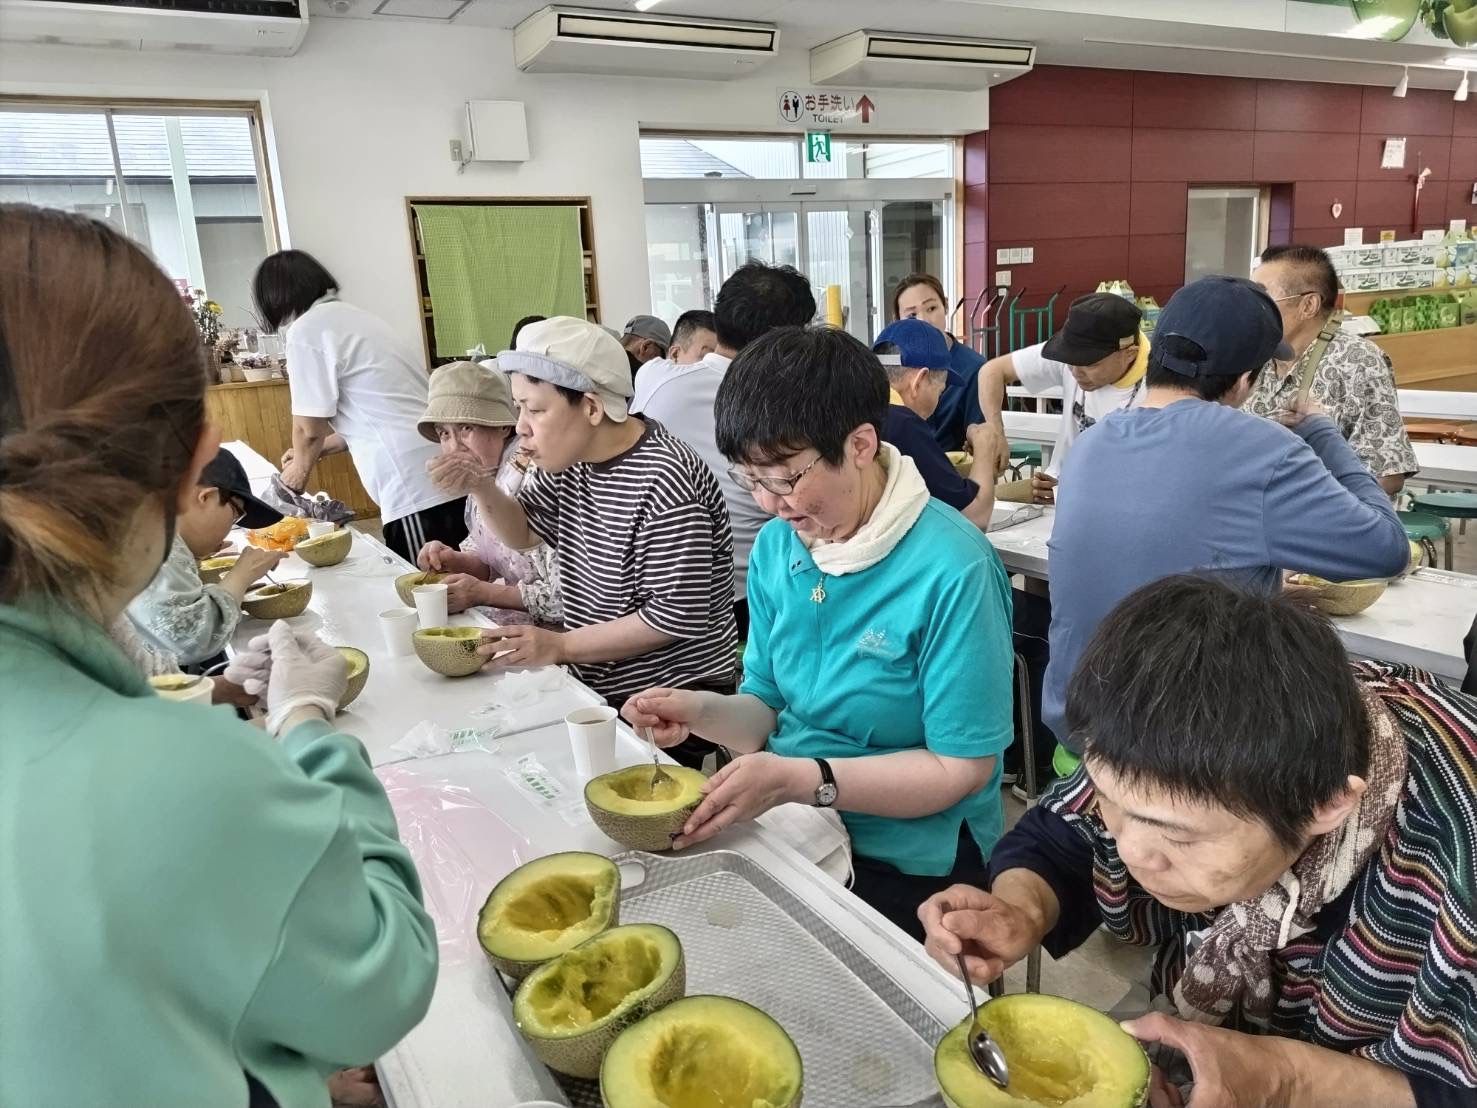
pixel 817 146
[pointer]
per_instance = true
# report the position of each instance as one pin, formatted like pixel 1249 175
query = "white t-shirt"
pixel 680 398
pixel 346 366
pixel 1039 374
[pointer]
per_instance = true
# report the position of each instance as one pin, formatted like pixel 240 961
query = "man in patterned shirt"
pixel 1296 835
pixel 1352 377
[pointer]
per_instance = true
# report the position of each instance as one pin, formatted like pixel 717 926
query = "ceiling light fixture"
pixel 1462 89
pixel 645 5
pixel 1403 86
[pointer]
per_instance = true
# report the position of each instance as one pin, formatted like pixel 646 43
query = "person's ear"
pixel 862 445
pixel 206 448
pixel 592 408
pixel 1332 813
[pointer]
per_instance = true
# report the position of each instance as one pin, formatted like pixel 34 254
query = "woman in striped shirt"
pixel 1296 835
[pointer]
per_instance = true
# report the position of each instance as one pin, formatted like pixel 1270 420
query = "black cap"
pixel 1097 325
pixel 1219 327
pixel 224 472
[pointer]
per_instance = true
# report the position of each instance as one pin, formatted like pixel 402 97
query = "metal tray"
pixel 864 1041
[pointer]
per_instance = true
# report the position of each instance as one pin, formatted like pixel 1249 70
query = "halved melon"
pixel 571 1009
pixel 703 1052
pixel 325 550
pixel 548 906
pixel 625 806
pixel 358 664
pixel 1059 1052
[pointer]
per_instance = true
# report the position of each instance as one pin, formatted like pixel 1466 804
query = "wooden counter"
pixel 1444 359
pixel 260 413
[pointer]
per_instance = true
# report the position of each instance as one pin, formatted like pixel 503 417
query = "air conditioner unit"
pixel 267 27
pixel 890 59
pixel 641 44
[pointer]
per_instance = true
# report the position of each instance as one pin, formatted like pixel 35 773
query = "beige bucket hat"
pixel 465 392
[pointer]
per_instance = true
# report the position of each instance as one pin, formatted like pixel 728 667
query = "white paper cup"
pixel 397 625
pixel 430 602
pixel 592 739
pixel 319 527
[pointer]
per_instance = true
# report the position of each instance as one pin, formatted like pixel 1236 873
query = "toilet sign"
pixel 817 146
pixel 818 109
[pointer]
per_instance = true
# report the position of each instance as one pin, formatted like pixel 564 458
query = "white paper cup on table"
pixel 430 602
pixel 318 528
pixel 592 739
pixel 397 625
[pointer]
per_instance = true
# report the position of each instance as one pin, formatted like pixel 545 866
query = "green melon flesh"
pixel 703 1052
pixel 1060 1053
pixel 571 1009
pixel 546 907
pixel 624 805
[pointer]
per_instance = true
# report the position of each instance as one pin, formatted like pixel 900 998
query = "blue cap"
pixel 1219 327
pixel 921 345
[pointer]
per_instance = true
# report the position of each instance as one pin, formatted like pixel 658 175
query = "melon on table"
pixel 625 805
pixel 548 906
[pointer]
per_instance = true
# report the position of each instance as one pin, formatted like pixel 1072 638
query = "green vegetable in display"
pixel 1395 17
pixel 1460 21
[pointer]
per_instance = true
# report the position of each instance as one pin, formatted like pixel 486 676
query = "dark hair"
pixel 572 396
pixel 914 279
pixel 522 323
pixel 758 298
pixel 698 319
pixel 1207 386
pixel 102 397
pixel 1220 696
pixel 286 285
pixel 1314 270
pixel 798 387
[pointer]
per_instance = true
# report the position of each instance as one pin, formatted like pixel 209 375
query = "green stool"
pixel 1024 454
pixel 1447 506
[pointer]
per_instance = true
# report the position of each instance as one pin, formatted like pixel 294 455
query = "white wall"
pixel 362 115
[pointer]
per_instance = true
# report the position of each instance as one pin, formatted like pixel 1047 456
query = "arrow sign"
pixel 866 107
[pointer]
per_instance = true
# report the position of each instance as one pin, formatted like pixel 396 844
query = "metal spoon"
pixel 985 1051
pixel 658 775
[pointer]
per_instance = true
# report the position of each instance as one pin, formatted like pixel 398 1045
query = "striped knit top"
pixel 645 532
pixel 1390 970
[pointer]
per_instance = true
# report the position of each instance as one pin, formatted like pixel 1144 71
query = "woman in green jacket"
pixel 190 913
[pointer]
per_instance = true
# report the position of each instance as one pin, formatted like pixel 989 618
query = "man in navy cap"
pixel 915 355
pixel 1184 482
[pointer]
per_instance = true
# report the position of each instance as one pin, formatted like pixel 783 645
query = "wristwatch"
pixel 825 793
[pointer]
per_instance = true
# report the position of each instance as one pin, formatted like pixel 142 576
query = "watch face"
pixel 825 796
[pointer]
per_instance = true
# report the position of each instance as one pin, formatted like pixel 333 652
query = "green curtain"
pixel 488 266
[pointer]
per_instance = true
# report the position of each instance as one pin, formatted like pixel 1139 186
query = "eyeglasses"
pixel 238 507
pixel 778 486
pixel 1295 296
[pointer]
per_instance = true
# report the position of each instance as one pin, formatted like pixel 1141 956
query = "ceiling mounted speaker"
pixel 889 59
pixel 641 44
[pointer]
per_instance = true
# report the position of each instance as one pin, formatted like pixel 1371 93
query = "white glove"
pixel 250 668
pixel 306 673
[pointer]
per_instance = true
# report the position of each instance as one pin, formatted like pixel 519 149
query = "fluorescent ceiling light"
pixel 1459 61
pixel 645 5
pixel 1461 89
pixel 1403 85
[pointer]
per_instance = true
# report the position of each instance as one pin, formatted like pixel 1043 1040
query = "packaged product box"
pixel 1365 257
pixel 1362 280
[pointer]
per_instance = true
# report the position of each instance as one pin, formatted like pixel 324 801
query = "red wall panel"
pixel 1304 156
pixel 1033 154
pixel 1183 100
pixel 976 158
pixel 1223 157
pixel 1092 167
pixel 1304 106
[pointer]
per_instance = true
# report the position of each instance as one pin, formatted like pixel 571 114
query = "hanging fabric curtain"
pixel 489 265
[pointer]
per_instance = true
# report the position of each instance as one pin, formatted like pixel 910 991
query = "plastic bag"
pixel 461 849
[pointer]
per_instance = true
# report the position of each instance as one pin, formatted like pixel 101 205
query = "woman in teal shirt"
pixel 192 913
pixel 877 677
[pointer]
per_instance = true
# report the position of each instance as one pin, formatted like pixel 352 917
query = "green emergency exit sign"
pixel 817 146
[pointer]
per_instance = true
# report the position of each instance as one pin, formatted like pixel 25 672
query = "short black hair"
pixel 758 298
pixel 1315 270
pixel 522 323
pixel 1221 696
pixel 1207 386
pixel 796 388
pixel 699 319
pixel 571 396
pixel 287 283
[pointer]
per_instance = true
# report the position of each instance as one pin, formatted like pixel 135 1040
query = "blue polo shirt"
pixel 960 404
pixel 910 433
pixel 912 652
